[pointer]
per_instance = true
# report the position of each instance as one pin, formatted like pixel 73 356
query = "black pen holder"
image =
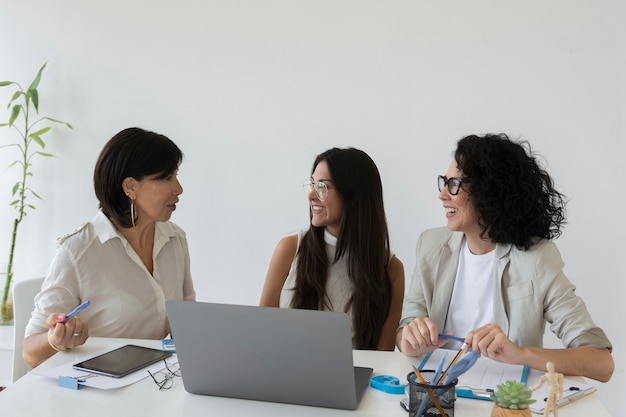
pixel 421 396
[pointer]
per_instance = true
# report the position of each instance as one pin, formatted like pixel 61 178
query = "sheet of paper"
pixel 101 381
pixel 488 374
pixel 572 390
pixel 485 374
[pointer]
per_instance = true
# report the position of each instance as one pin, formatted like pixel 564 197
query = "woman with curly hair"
pixel 494 275
pixel 342 262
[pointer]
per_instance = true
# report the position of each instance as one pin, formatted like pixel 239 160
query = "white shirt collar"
pixel 106 231
pixel 329 239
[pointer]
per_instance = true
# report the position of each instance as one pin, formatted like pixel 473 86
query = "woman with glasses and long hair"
pixel 494 276
pixel 342 262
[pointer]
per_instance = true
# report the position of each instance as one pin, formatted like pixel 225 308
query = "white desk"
pixel 34 395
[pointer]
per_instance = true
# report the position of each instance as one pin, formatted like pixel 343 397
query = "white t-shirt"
pixel 471 304
pixel 97 263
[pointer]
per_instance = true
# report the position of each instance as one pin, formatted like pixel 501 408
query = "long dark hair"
pixel 515 198
pixel 364 241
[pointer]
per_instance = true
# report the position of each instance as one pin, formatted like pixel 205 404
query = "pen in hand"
pixel 448 337
pixel 76 310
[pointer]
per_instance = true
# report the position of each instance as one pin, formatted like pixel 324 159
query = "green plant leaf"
pixel 60 121
pixel 15 111
pixel 44 154
pixel 5 83
pixel 34 97
pixel 16 95
pixel 35 83
pixel 40 132
pixel 39 141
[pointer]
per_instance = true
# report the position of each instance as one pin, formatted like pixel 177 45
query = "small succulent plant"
pixel 513 394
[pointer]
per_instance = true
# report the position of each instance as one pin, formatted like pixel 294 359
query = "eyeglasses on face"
pixel 321 189
pixel 454 184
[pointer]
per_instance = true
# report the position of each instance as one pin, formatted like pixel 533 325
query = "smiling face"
pixel 460 211
pixel 325 213
pixel 155 199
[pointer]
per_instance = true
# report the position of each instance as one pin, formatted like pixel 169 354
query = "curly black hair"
pixel 514 196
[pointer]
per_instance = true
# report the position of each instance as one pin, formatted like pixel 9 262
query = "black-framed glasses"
pixel 321 189
pixel 454 184
pixel 165 378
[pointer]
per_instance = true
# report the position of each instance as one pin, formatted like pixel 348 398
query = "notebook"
pixel 269 354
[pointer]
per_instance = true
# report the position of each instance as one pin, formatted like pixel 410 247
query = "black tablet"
pixel 122 361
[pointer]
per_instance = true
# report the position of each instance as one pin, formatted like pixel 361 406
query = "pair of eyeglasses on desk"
pixel 165 378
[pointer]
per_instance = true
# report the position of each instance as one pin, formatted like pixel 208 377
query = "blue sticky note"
pixel 69 382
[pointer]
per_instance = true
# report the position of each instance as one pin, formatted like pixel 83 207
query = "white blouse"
pixel 97 263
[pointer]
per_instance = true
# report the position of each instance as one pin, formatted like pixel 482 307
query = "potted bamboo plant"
pixel 24 119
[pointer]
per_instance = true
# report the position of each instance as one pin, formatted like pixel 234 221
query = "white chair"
pixel 24 293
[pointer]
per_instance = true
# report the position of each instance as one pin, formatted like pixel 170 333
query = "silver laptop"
pixel 268 354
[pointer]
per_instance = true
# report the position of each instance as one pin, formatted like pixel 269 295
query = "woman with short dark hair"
pixel 126 261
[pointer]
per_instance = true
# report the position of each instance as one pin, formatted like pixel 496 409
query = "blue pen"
pixel 448 337
pixel 77 310
pixel 443 359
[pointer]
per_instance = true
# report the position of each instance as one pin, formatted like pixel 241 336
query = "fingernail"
pixel 60 317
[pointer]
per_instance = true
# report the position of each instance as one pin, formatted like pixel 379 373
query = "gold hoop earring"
pixel 133 213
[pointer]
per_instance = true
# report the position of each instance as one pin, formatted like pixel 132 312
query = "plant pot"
pixel 6 309
pixel 6 313
pixel 507 412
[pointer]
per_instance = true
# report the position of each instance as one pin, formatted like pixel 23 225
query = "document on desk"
pixel 572 390
pixel 100 381
pixel 486 374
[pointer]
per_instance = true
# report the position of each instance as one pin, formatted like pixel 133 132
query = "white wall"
pixel 253 90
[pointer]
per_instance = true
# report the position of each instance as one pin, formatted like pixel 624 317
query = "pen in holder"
pixel 429 399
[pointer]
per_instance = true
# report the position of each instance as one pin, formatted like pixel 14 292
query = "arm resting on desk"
pixel 587 361
pixel 584 361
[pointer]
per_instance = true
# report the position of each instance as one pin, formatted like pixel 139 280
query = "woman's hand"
pixel 419 337
pixel 63 336
pixel 491 342
pixel 60 336
pixel 587 361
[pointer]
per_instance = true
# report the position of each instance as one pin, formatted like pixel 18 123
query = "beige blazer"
pixel 530 290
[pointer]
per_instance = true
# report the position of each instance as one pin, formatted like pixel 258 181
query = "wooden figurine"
pixel 555 389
